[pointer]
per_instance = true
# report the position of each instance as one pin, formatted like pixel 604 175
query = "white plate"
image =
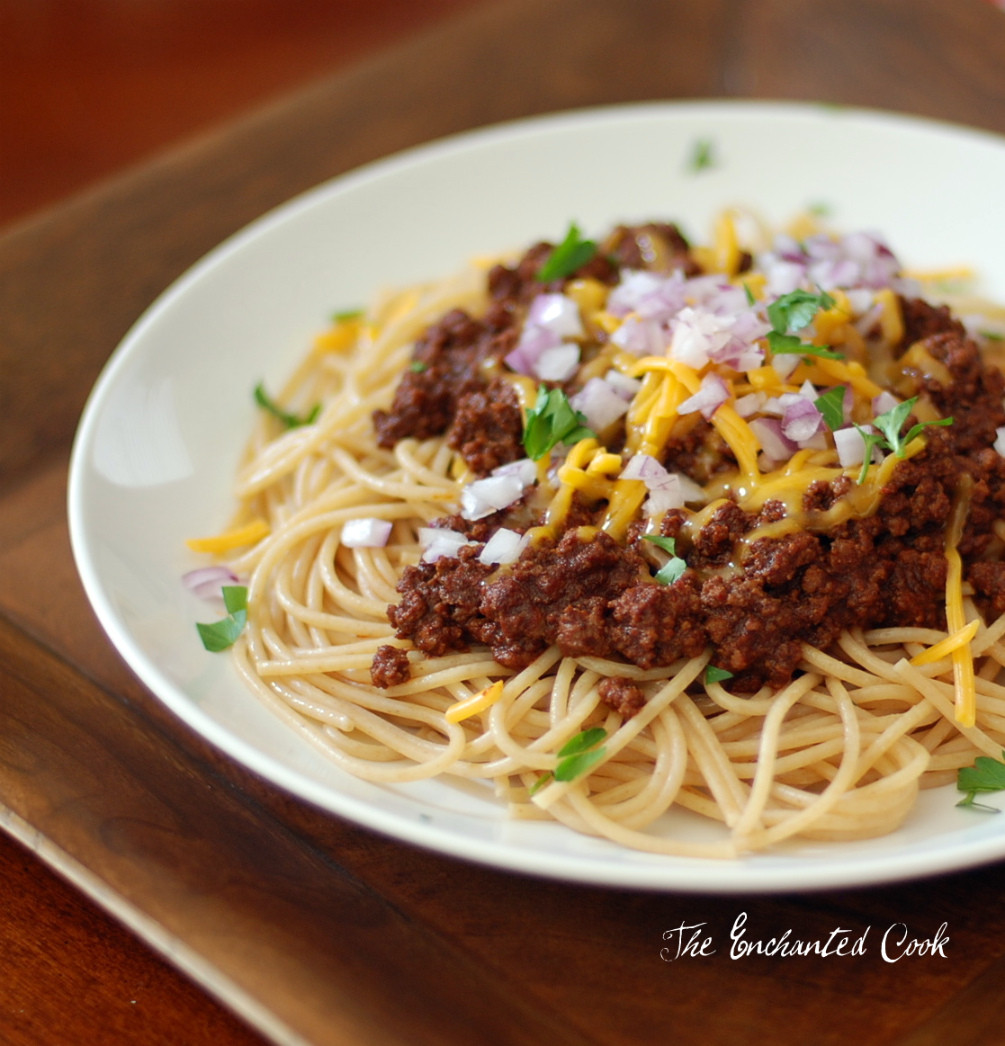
pixel 162 431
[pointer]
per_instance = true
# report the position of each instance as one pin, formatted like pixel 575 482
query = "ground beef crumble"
pixel 754 601
pixel 390 666
pixel 623 695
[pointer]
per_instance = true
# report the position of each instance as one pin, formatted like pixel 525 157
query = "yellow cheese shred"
pixel 947 646
pixel 963 662
pixel 237 537
pixel 477 702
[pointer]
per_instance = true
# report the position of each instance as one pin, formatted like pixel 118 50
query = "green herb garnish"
pixel 702 155
pixel 418 367
pixel 567 257
pixel 575 757
pixel 890 423
pixel 793 312
pixel 789 344
pixel 552 420
pixel 345 315
pixel 674 567
pixel 831 406
pixel 290 421
pixel 223 634
pixel 986 775
pixel 714 674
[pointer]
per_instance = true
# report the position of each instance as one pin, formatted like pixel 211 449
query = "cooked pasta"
pixel 669 528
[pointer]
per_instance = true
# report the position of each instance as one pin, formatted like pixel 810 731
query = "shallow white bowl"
pixel 162 431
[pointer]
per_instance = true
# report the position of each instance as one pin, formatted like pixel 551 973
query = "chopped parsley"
pixel 831 406
pixel 793 312
pixel 714 674
pixel 552 420
pixel 702 155
pixel 223 634
pixel 290 421
pixel 345 315
pixel 575 757
pixel 986 775
pixel 572 253
pixel 888 437
pixel 418 367
pixel 674 567
pixel 789 344
pixel 892 421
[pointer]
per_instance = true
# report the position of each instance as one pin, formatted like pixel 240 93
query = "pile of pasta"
pixel 839 753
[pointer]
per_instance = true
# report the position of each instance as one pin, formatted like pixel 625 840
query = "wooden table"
pixel 311 929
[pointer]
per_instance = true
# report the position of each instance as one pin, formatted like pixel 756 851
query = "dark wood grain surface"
pixel 314 930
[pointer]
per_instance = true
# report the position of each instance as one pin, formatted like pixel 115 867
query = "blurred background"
pixel 88 87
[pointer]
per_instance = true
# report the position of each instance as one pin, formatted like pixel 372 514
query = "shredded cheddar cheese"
pixel 238 537
pixel 478 702
pixel 945 647
pixel 963 662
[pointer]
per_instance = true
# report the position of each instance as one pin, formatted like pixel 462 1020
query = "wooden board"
pixel 318 931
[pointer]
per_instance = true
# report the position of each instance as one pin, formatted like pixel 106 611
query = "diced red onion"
pixel 784 364
pixel 647 294
pixel 999 443
pixel 857 260
pixel 503 547
pixel 690 491
pixel 783 276
pixel 748 405
pixel 556 313
pixel 788 247
pixel 524 469
pixel 367 532
pixel 712 394
pixel 800 419
pixel 622 384
pixel 438 542
pixel 776 446
pixel 640 337
pixel 207 582
pixel 528 350
pixel 829 273
pixel 667 490
pixel 883 402
pixel 860 299
pixel 557 363
pixel 851 446
pixel 742 351
pixel 697 336
pixel 600 403
pixel 482 497
pixel 665 498
pixel 644 467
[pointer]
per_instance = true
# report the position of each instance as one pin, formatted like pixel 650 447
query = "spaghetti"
pixel 594 536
